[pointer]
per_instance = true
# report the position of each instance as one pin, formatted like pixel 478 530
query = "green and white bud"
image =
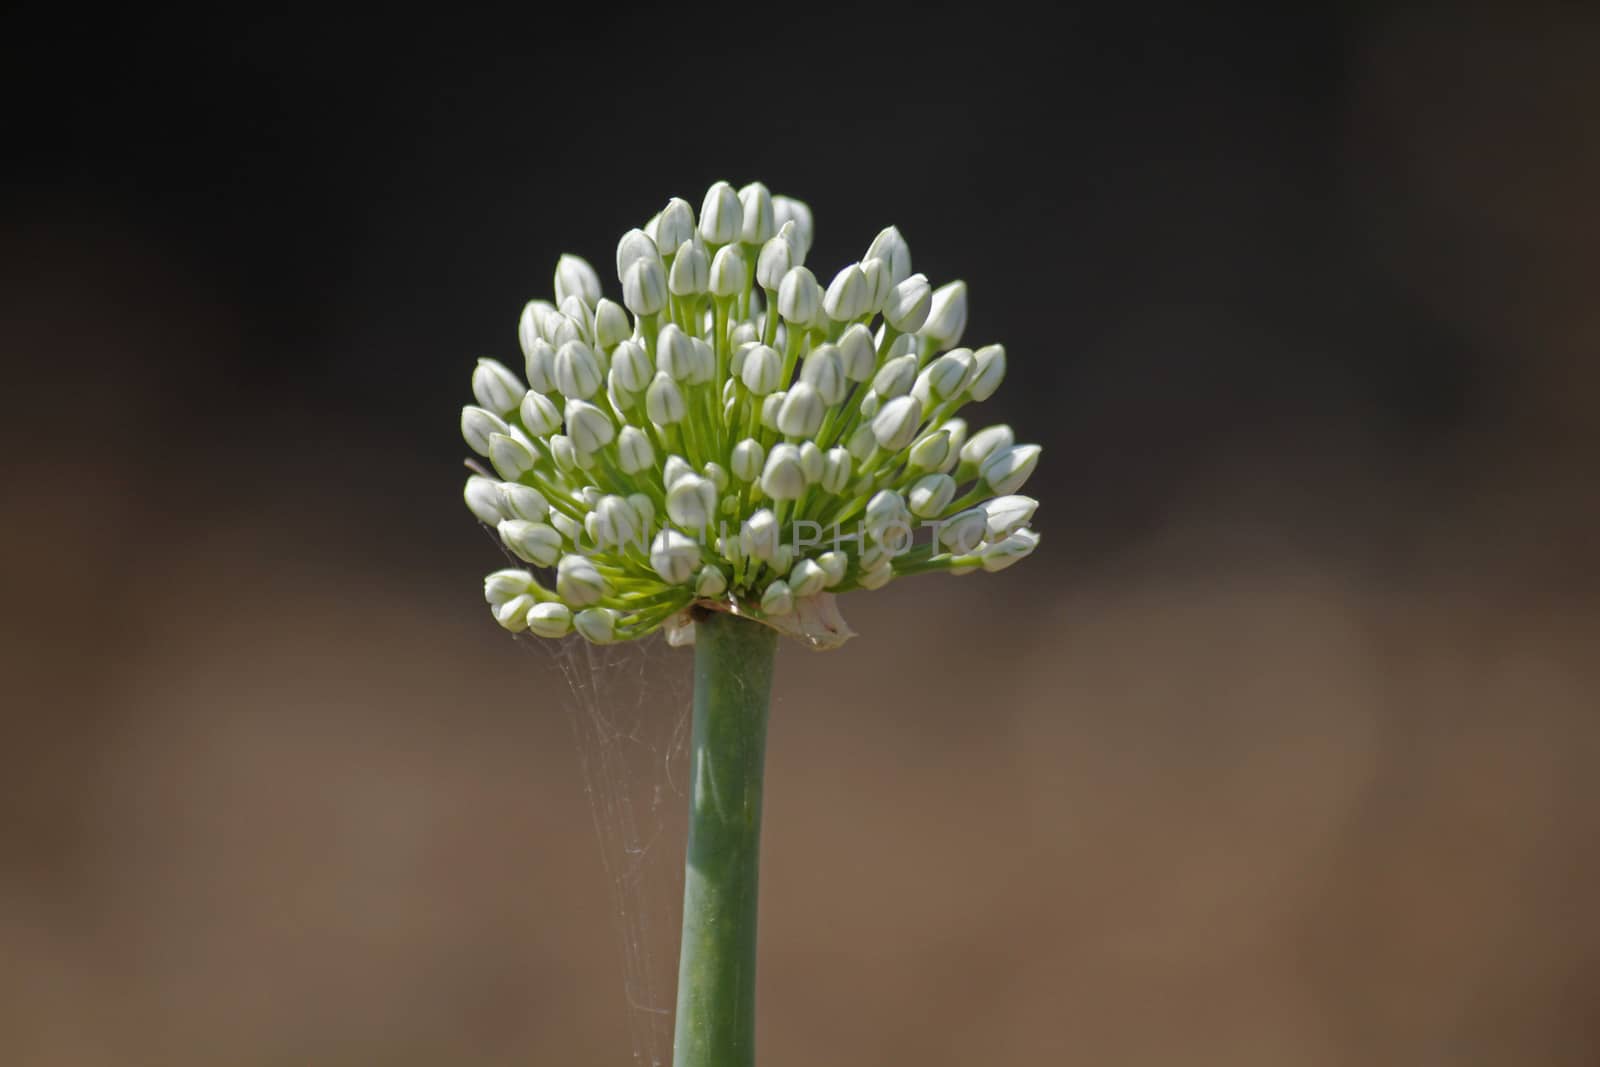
pixel 717 475
pixel 858 354
pixel 802 411
pixel 908 304
pixel 564 328
pixel 877 577
pixel 1006 472
pixel 588 426
pixel 834 565
pixel 520 501
pixel 964 531
pixel 531 323
pixel 644 288
pixel 630 367
pixel 886 509
pixel 663 402
pixel 721 215
pixel 728 271
pixel 787 209
pixel 692 502
pixel 759 535
pixel 799 297
pixel 496 388
pixel 777 600
pixel 836 468
pixel 824 371
pixel 863 443
pixel 570 529
pixel 574 277
pixel 478 425
pixel 811 462
pixel 531 542
pixel 540 416
pixel 989 369
pixel 985 443
pixel 782 478
pixel 577 371
pixel 771 404
pixel 710 582
pixel 1005 515
pixel 674 227
pixel 776 260
pixel 674 556
pixel 691 271
pixel 482 496
pixel 930 451
pixel 1002 554
pixel 675 470
pixel 635 245
pixel 675 354
pixel 896 377
pixel 891 247
pixel 643 507
pixel 747 460
pixel 895 425
pixel 847 295
pixel 930 495
pixel 948 375
pixel 597 625
pixel 807 578
pixel 513 613
pixel 509 457
pixel 615 522
pixel 563 453
pixel 578 582
pixel 634 451
pixel 879 284
pixel 505 585
pixel 759 222
pixel 549 619
pixel 762 371
pixel 947 315
pixel 540 364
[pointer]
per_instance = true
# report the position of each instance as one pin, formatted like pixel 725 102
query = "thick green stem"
pixel 717 962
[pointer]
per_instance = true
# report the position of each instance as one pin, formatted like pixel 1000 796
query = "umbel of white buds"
pixel 726 431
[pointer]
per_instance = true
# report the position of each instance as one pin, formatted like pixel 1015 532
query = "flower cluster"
pixel 738 435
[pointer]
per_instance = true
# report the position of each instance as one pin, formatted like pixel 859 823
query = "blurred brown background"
pixel 1281 751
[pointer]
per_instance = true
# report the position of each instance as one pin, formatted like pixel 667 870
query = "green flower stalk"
pixel 717 457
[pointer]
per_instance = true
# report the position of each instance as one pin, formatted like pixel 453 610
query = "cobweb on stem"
pixel 629 706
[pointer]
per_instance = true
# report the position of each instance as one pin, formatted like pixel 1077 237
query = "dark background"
pixel 1280 750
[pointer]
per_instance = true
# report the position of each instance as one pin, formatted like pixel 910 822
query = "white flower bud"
pixel 847 294
pixel 989 368
pixel 908 304
pixel 747 460
pixel 886 509
pixel 716 475
pixel 771 404
pixel 762 371
pixel 947 315
pixel 478 425
pixel 597 625
pixel 577 371
pixel 564 328
pixel 634 452
pixel 802 411
pixel 895 378
pixel 540 364
pixel 691 271
pixel 728 271
pixel 786 209
pixel 776 260
pixel 504 585
pixel 674 353
pixel 799 297
pixel 588 426
pixel 674 556
pixel 931 450
pixel 877 577
pixel 710 582
pixel 540 415
pixel 570 529
pixel 1004 515
pixel 663 402
pixel 692 502
pixel 578 582
pixel 758 535
pixel 777 599
pixel 702 361
pixel 870 403
pixel 836 469
pixel 634 246
pixel 834 565
pixel 563 453
pixel 964 531
pixel 985 443
pixel 743 334
pixel 531 324
pixel 812 462
pixel 643 507
pixel 782 478
pixel 614 522
pixel 532 542
pixel 644 287
pixel 675 470
pixel 483 499
pixel 721 215
pixel 879 284
pixel 1002 554
pixel 512 614
pixel 858 354
pixel 1006 471
pixel 522 502
pixel 581 317
pixel 612 325
pixel 509 457
pixel 862 443
pixel 824 371
pixel 891 247
pixel 674 227
pixel 495 387
pixel 931 494
pixel 807 578
pixel 550 619
pixel 758 222
pixel 574 277
pixel 949 374
pixel 895 425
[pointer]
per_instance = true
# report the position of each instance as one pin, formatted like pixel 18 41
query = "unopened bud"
pixel 533 542
pixel 495 387
pixel 578 582
pixel 574 277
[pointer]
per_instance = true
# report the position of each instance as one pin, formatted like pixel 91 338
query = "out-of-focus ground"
pixel 1282 750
